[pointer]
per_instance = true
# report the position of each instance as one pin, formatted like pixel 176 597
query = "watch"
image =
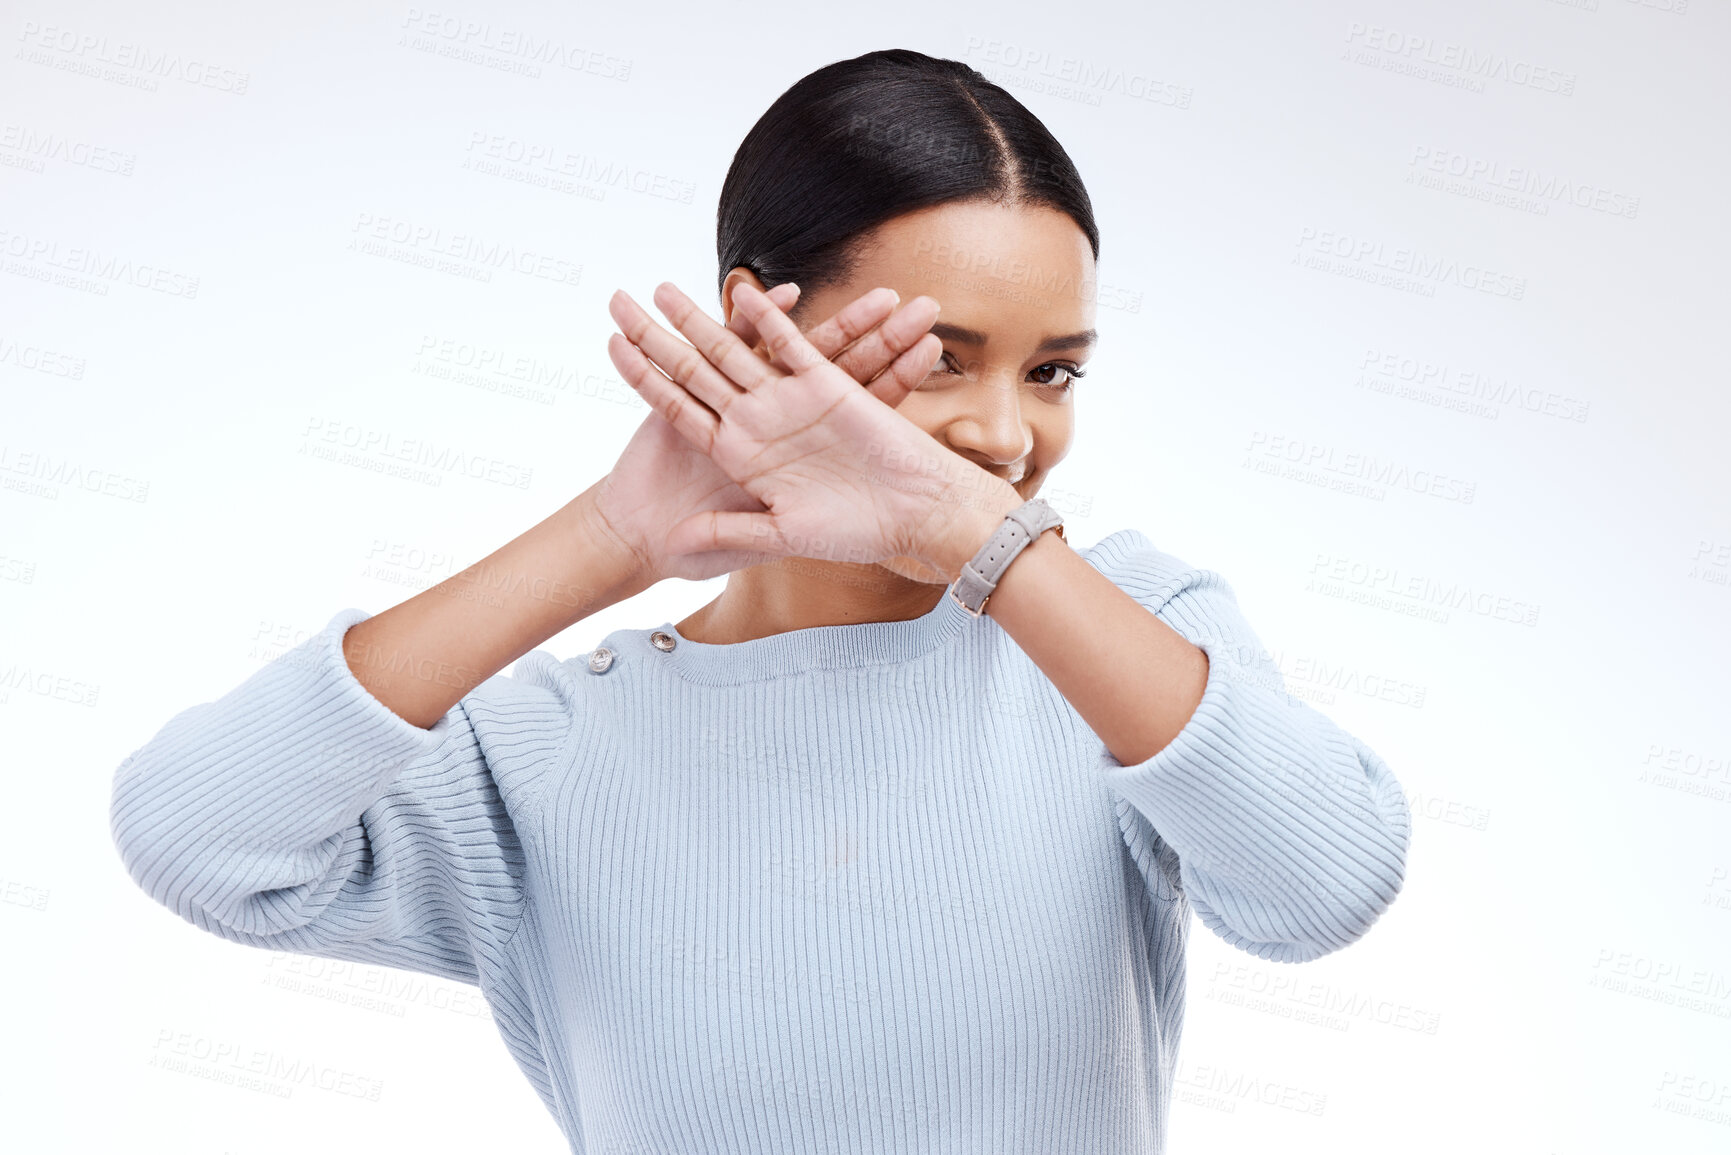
pixel 979 577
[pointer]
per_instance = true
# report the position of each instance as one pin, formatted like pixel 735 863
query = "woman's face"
pixel 1016 290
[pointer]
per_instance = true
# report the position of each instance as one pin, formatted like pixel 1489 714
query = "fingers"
pixel 678 408
pixel 725 360
pixel 780 335
pixel 855 320
pixel 880 348
pixel 858 338
pixel 785 295
pixel 907 371
pixel 684 365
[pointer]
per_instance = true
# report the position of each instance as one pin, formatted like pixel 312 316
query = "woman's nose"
pixel 990 422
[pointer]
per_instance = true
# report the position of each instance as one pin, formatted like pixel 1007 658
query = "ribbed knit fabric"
pixel 853 888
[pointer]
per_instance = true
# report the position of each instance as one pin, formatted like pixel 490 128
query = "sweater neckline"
pixel 846 646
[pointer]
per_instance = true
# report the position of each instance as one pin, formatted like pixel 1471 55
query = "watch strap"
pixel 1019 528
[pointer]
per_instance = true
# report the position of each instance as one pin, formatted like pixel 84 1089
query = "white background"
pixel 1544 666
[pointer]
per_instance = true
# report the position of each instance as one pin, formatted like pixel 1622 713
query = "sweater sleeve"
pixel 299 813
pixel 1287 834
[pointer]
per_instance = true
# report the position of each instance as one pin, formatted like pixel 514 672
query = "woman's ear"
pixel 735 275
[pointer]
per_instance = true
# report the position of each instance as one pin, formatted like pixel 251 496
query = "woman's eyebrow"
pixel 964 336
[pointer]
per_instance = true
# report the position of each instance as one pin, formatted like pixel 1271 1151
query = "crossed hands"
pixel 749 456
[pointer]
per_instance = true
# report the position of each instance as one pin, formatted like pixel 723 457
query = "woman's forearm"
pixel 421 656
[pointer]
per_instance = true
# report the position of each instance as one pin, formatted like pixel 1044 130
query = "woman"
pixel 891 846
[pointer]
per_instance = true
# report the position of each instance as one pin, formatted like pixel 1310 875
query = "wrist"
pixel 977 517
pixel 619 563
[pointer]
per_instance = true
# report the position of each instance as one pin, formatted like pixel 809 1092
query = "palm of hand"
pixel 842 476
pixel 659 481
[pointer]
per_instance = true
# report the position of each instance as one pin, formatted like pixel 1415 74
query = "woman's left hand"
pixel 841 474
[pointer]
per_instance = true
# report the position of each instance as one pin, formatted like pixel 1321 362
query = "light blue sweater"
pixel 854 888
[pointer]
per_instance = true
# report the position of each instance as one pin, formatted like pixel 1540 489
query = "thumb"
pixel 730 530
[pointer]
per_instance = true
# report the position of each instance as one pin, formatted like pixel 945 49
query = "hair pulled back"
pixel 861 141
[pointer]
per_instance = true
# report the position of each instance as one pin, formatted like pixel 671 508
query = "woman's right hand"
pixel 660 480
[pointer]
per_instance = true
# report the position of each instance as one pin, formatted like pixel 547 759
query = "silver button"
pixel 662 640
pixel 600 659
